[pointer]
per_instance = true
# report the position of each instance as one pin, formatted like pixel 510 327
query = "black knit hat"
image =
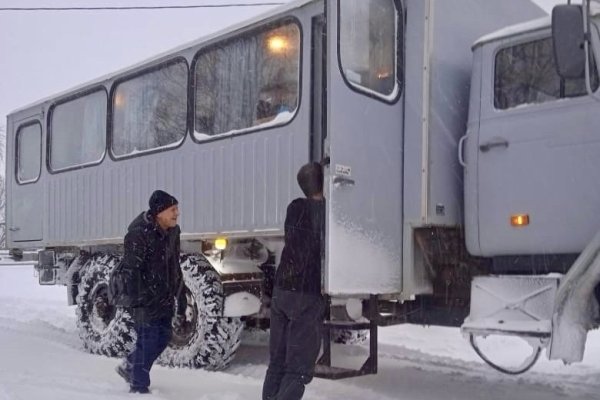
pixel 160 201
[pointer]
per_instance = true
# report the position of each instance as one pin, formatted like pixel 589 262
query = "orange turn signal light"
pixel 220 243
pixel 519 220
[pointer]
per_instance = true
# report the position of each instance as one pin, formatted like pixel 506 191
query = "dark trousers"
pixel 294 343
pixel 152 338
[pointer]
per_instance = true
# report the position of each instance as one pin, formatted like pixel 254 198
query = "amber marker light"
pixel 221 244
pixel 519 220
pixel 119 100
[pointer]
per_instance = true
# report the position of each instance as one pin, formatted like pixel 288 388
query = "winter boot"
pixel 124 371
pixel 140 390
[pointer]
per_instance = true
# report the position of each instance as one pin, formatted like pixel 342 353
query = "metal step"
pixel 512 305
pixel 350 325
pixel 533 329
pixel 324 369
pixel 335 373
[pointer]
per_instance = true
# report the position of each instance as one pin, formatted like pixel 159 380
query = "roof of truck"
pixel 222 32
pixel 513 30
pixel 529 26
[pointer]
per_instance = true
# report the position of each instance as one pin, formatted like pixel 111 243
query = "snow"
pixel 280 119
pixel 137 151
pixel 370 270
pixel 42 358
pixel 530 26
pixel 512 30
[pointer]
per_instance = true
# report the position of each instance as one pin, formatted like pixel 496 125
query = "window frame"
pixel 49 130
pixel 17 154
pixel 130 76
pixel 528 38
pixel 253 31
pixel 400 57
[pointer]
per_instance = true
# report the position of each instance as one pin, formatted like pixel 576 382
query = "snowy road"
pixel 41 358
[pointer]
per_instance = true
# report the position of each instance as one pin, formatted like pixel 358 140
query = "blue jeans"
pixel 152 338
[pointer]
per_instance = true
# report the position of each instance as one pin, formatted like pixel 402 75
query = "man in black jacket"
pixel 297 306
pixel 152 259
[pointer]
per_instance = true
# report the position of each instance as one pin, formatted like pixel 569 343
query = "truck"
pixel 460 149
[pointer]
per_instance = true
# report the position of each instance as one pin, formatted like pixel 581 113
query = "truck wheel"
pixel 104 329
pixel 347 336
pixel 206 340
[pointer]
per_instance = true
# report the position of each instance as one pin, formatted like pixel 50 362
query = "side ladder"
pixel 325 368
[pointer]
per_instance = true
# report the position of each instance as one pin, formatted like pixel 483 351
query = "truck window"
pixel 526 74
pixel 149 111
pixel 368 41
pixel 249 83
pixel 29 153
pixel 78 131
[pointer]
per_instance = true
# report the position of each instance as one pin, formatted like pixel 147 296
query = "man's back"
pixel 300 266
pixel 297 306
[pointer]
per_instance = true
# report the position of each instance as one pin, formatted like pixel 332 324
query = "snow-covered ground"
pixel 41 357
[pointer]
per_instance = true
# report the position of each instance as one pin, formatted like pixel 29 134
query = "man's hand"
pixel 179 323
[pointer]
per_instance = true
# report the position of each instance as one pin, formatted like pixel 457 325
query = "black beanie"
pixel 160 201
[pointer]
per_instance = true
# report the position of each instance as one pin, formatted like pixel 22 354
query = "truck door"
pixel 24 220
pixel 364 119
pixel 538 154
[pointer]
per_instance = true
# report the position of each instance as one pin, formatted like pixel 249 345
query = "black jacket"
pixel 300 266
pixel 152 257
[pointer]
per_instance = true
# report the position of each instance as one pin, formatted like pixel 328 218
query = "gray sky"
pixel 43 53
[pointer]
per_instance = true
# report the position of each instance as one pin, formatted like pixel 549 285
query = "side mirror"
pixel 568 40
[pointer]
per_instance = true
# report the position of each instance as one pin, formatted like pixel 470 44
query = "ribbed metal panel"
pixel 233 186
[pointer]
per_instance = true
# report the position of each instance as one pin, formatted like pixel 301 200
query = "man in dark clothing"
pixel 152 258
pixel 297 306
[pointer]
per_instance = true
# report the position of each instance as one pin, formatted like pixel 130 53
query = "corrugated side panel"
pixel 231 186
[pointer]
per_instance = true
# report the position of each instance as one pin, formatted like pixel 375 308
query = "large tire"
pixel 103 328
pixel 206 340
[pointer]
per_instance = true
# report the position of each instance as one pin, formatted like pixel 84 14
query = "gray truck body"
pixel 399 154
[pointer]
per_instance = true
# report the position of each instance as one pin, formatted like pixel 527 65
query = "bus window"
pixel 78 131
pixel 29 153
pixel 150 110
pixel 249 83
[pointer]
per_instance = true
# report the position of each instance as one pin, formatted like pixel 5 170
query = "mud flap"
pixel 519 306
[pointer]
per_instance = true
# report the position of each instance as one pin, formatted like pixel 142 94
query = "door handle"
pixel 343 181
pixel 495 142
pixel 14 229
pixel 461 156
